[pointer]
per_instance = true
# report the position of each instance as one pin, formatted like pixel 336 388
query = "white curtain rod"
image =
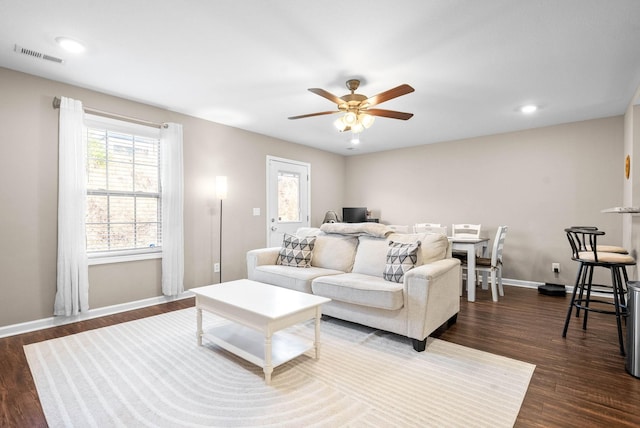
pixel 56 104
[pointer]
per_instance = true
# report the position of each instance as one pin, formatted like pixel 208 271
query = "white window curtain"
pixel 172 209
pixel 72 295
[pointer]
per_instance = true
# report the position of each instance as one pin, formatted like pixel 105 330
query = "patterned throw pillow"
pixel 296 251
pixel 401 258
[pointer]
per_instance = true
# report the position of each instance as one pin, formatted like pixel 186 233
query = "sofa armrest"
pixel 432 270
pixel 433 296
pixel 261 256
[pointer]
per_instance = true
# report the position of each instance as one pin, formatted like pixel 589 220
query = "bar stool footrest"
pixel 580 304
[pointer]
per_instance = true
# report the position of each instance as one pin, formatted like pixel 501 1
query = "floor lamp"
pixel 221 193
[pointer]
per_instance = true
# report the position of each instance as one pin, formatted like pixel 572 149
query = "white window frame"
pixel 119 256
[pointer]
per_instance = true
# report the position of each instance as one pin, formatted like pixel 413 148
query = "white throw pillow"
pixel 371 256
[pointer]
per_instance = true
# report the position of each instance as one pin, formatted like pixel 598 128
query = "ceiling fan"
pixel 357 110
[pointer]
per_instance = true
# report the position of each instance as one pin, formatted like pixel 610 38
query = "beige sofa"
pixel 347 266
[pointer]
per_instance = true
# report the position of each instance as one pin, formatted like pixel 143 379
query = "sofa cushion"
pixel 290 277
pixel 360 289
pixel 333 251
pixel 434 245
pixel 296 251
pixel 400 259
pixel 371 256
pixel 307 231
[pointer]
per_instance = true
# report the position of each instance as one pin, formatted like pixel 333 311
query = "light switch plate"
pixel 256 211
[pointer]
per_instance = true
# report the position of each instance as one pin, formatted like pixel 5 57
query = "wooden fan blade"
pixel 302 116
pixel 388 113
pixel 388 95
pixel 327 95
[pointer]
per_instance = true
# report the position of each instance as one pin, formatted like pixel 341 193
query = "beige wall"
pixel 537 182
pixel 28 198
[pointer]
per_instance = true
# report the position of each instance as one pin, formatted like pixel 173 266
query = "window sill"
pixel 121 258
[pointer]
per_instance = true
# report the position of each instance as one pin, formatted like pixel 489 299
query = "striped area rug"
pixel 150 372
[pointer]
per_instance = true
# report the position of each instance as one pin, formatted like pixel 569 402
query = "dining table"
pixel 472 246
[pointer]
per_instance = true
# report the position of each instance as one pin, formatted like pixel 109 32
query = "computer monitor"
pixel 354 215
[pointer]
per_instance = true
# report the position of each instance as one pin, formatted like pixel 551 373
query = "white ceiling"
pixel 248 63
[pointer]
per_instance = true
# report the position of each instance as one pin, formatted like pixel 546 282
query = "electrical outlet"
pixel 216 267
pixel 555 267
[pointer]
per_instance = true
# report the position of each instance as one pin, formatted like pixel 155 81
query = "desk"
pixel 470 245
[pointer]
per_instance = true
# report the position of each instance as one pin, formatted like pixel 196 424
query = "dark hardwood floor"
pixel 578 381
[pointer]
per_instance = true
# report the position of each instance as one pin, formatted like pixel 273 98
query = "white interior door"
pixel 288 206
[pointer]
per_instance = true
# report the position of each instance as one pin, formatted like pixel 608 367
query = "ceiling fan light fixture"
pixel 350 118
pixel 339 124
pixel 366 120
pixel 357 128
pixel 355 138
pixel 354 108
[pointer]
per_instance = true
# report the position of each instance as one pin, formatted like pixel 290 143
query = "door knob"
pixel 273 228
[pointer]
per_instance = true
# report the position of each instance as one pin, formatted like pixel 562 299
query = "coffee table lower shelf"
pixel 250 345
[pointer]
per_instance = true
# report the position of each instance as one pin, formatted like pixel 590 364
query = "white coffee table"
pixel 258 311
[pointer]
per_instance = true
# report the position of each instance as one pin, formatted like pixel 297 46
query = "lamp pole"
pixel 221 192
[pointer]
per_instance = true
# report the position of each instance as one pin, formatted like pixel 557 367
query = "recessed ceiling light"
pixel 70 44
pixel 528 109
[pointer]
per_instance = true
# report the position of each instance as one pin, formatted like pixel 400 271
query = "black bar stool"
pixel 587 253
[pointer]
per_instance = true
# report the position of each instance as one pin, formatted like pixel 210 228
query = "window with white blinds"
pixel 123 187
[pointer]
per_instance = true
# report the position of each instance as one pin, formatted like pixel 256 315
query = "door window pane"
pixel 288 197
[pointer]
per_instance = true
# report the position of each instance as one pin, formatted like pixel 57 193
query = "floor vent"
pixel 36 54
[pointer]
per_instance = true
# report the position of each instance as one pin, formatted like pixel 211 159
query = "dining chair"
pixel 398 228
pixel 421 225
pixel 493 265
pixel 465 230
pixel 430 228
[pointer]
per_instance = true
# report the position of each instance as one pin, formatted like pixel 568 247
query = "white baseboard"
pixel 25 327
pixel 533 284
pixel 519 283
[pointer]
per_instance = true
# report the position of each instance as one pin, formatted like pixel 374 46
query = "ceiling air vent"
pixel 36 54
